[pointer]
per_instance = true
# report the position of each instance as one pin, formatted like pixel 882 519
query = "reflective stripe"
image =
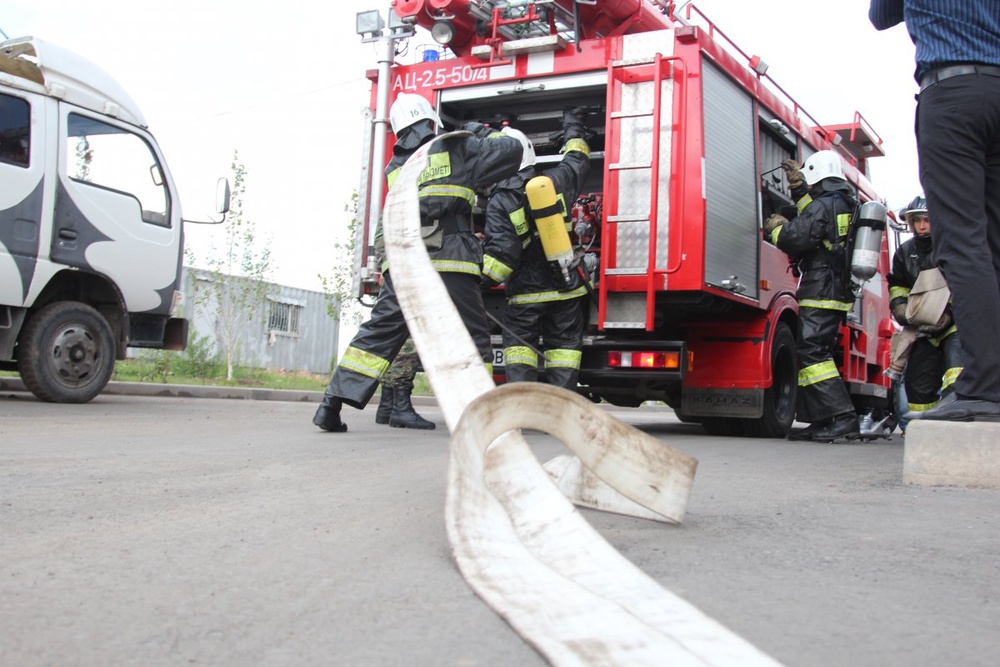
pixel 520 222
pixel 938 339
pixel 391 177
pixel 802 203
pixel 456 266
pixel 438 166
pixel 824 370
pixel 774 234
pixel 542 297
pixel 826 304
pixel 950 376
pixel 920 407
pixel 843 224
pixel 520 354
pixel 364 363
pixel 446 190
pixel 578 145
pixel 563 359
pixel 898 292
pixel 496 270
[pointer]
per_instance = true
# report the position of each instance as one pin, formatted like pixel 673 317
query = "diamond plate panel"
pixel 636 146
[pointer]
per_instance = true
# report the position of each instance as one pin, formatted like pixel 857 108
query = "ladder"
pixel 637 308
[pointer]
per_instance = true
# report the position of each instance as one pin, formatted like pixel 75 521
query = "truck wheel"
pixel 779 398
pixel 66 353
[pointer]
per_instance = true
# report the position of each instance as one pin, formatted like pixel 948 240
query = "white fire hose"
pixel 518 541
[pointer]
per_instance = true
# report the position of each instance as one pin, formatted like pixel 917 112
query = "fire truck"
pixel 691 306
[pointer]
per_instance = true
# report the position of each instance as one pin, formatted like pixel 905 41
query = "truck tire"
pixel 66 353
pixel 779 398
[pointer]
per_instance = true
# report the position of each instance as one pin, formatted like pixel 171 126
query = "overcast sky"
pixel 284 84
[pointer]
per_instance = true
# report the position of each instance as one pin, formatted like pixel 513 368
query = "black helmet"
pixel 917 205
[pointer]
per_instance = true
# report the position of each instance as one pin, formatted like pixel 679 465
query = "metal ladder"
pixel 621 74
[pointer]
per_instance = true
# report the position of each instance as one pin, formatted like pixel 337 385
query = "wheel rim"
pixel 75 356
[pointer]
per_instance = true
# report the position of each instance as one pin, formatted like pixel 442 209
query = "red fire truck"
pixel 691 307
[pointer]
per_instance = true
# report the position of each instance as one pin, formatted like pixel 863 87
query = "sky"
pixel 284 85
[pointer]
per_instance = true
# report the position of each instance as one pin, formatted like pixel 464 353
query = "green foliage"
pixel 200 359
pixel 337 286
pixel 233 286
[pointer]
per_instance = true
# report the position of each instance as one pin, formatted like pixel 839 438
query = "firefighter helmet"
pixel 820 165
pixel 408 109
pixel 528 158
pixel 917 206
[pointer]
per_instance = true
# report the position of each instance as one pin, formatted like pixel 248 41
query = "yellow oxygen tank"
pixel 549 221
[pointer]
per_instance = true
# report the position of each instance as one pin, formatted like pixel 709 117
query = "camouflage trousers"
pixel 403 368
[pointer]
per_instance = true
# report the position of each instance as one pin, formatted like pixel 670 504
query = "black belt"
pixel 942 73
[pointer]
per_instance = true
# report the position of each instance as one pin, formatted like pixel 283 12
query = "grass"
pixel 160 369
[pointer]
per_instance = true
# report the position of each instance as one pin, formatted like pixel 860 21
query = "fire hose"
pixel 515 536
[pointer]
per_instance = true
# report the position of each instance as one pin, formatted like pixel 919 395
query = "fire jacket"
pixel 458 167
pixel 913 256
pixel 512 248
pixel 816 239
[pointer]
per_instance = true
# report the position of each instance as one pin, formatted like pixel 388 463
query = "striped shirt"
pixel 945 32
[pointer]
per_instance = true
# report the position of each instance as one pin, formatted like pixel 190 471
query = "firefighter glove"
pixel 478 129
pixel 793 173
pixel 938 327
pixel 899 312
pixel 773 221
pixel 574 124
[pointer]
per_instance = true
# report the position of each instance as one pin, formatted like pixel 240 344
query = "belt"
pixel 942 73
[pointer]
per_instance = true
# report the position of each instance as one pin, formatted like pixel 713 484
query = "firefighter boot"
pixel 843 426
pixel 403 415
pixel 327 415
pixel 384 405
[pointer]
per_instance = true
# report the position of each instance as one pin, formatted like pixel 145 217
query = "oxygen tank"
pixel 868 229
pixel 549 221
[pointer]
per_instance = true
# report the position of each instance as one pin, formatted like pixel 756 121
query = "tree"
pixel 341 304
pixel 236 281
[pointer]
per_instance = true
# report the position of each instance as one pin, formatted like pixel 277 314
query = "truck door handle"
pixel 68 234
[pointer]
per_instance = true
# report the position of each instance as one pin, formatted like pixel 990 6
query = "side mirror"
pixel 222 196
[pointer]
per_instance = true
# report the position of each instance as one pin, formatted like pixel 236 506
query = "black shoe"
pixel 327 416
pixel 964 410
pixel 805 433
pixel 948 399
pixel 844 426
pixel 403 415
pixel 384 406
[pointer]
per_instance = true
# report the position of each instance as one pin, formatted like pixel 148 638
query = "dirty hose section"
pixel 516 538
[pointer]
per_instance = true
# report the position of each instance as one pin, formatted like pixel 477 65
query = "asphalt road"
pixel 196 531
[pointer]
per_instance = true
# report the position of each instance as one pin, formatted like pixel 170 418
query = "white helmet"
pixel 410 108
pixel 820 165
pixel 528 158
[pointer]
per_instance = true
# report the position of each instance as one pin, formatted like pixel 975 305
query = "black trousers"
pixel 822 394
pixel 926 370
pixel 560 325
pixel 958 145
pixel 380 338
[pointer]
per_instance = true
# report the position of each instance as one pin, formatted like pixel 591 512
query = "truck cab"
pixel 91 234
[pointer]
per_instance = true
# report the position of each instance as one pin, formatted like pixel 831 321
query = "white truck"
pixel 91 233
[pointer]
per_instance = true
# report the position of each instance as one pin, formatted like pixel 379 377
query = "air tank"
pixel 867 246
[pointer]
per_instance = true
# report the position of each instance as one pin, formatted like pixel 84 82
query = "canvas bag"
pixel 928 300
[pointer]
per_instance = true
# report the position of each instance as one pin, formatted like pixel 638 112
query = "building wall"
pixel 292 332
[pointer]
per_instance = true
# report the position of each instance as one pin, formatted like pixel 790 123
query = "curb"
pixel 206 391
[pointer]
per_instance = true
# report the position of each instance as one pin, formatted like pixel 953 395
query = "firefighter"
pixel 935 360
pixel 816 239
pixel 395 406
pixel 459 167
pixel 542 300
